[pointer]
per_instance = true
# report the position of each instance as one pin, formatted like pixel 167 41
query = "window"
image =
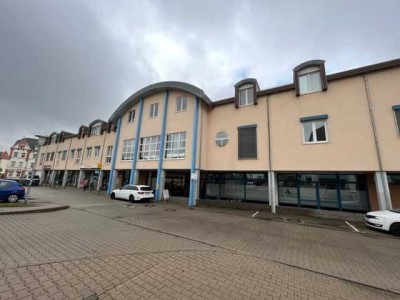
pixel 18 173
pixel 48 156
pixel 52 156
pixel 246 95
pixel 64 155
pixel 34 155
pixel 221 139
pixel 127 150
pixel 109 154
pixel 95 130
pixel 32 164
pixel 314 129
pixel 88 152
pixel 153 112
pixel 78 155
pixel 53 139
pixel 396 110
pixel 149 147
pixel 59 155
pixel 72 154
pixel 15 154
pixel 20 165
pixel 41 159
pixel 310 80
pixel 13 164
pixel 175 146
pixel 131 116
pixel 247 146
pixel 181 103
pixel 23 154
pixel 96 152
pixel 10 174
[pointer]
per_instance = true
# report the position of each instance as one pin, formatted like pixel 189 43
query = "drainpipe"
pixel 378 152
pixel 271 176
pixel 137 137
pixel 193 181
pixel 66 162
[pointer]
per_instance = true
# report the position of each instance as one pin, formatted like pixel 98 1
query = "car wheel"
pixel 131 198
pixel 13 198
pixel 395 229
pixel 112 195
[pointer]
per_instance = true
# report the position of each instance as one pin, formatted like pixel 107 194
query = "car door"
pixel 125 192
pixel 4 189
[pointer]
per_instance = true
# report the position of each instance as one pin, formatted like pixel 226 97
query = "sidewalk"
pixel 33 206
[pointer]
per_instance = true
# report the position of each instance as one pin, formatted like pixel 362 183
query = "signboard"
pixel 193 176
pixel 165 195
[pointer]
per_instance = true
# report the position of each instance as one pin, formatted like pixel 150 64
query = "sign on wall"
pixel 165 195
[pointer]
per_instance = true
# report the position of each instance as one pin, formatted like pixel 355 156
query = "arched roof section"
pixel 310 63
pixel 97 121
pixel 156 88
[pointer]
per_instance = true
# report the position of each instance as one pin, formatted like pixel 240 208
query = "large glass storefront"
pixel 347 192
pixel 243 187
pixel 178 183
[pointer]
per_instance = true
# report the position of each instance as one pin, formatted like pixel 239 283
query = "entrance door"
pixel 308 191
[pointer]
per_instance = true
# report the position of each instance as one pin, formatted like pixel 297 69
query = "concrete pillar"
pixel 113 181
pixel 99 180
pixel 161 186
pixel 52 177
pixel 382 190
pixel 135 176
pixel 196 185
pixel 64 182
pixel 273 190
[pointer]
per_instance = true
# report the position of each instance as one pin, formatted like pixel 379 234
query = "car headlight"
pixel 379 218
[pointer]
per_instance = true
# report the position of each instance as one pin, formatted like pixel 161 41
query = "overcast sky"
pixel 64 63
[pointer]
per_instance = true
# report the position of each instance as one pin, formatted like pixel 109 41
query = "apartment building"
pixel 22 158
pixel 323 142
pixel 4 159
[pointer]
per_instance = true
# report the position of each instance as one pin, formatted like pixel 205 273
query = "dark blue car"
pixel 11 191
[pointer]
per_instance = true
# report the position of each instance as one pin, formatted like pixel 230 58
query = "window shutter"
pixel 255 94
pixel 247 142
pixel 324 81
pixel 236 97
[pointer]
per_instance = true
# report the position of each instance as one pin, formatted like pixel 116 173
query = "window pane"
pixel 242 97
pixel 250 96
pixel 315 82
pixel 303 84
pixel 308 132
pixel 320 131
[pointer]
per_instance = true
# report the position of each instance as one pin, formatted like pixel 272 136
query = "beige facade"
pixel 323 141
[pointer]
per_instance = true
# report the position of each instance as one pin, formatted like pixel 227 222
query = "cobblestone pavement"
pixel 94 250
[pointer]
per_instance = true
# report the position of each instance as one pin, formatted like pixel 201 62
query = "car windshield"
pixel 397 210
pixel 145 188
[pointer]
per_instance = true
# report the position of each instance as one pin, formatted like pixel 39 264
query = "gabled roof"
pixel 156 88
pixel 32 143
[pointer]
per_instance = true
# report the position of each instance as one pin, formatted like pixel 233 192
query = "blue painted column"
pixel 114 156
pixel 157 196
pixel 193 182
pixel 137 137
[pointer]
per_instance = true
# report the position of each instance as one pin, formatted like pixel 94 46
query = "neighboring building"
pixel 22 158
pixel 326 142
pixel 4 159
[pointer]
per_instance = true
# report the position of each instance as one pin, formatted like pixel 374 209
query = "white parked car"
pixel 133 193
pixel 388 220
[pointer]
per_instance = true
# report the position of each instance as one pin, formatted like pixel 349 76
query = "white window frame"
pixel 12 164
pixel 15 154
pixel 95 130
pixel 222 140
pixel 78 155
pixel 306 73
pixel 246 88
pixel 131 116
pixel 64 155
pixel 149 148
pixel 72 154
pixel 127 150
pixel 20 164
pixel 175 143
pixel 88 152
pixel 53 139
pixel 109 154
pixel 23 155
pixel 96 151
pixel 314 131
pixel 153 110
pixel 181 103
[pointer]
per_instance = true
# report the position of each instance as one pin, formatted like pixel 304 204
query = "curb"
pixel 38 210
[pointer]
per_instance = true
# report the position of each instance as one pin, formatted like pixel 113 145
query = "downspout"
pixel 378 152
pixel 66 160
pixel 137 137
pixel 271 181
pixel 113 157
pixel 193 182
pixel 161 152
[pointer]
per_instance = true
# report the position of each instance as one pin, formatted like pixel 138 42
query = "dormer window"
pixel 310 80
pixel 310 77
pixel 53 139
pixel 246 95
pixel 95 130
pixel 246 92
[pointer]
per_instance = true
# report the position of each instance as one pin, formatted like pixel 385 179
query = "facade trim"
pixel 113 157
pixel 396 107
pixel 247 126
pixel 314 118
